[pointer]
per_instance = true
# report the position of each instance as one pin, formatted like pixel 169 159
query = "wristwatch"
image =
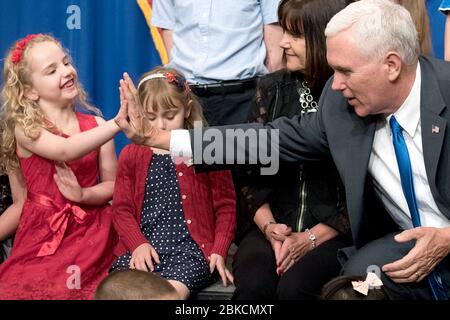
pixel 312 238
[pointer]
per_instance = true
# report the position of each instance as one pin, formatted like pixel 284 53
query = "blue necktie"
pixel 404 166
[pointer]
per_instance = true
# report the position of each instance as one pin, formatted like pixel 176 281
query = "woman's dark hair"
pixel 340 288
pixel 308 19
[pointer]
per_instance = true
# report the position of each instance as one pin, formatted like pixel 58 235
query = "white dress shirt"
pixel 383 166
pixel 180 144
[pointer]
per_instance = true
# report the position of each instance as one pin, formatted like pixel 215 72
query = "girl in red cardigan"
pixel 170 219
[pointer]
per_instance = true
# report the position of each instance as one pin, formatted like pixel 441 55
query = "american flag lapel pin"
pixel 434 129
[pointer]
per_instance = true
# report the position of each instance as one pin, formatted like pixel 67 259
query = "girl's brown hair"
pixel 169 93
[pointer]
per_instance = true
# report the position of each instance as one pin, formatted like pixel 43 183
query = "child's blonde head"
pixel 169 90
pixel 17 109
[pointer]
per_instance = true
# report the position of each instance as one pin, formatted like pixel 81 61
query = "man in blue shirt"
pixel 221 47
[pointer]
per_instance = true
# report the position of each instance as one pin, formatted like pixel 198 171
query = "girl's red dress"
pixel 62 250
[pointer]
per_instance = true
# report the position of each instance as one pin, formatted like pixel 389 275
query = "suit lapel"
pixel 433 132
pixel 433 125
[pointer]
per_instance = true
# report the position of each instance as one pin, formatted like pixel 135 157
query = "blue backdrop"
pixel 108 37
pixel 105 38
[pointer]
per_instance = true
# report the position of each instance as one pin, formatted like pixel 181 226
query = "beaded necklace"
pixel 307 103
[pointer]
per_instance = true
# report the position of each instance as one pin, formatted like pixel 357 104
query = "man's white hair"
pixel 380 26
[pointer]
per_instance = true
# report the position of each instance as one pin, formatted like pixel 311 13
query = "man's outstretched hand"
pixel 132 120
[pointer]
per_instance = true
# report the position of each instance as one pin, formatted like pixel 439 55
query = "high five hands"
pixel 132 120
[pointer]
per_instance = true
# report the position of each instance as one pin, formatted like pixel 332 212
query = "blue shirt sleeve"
pixel 269 10
pixel 163 14
pixel 445 6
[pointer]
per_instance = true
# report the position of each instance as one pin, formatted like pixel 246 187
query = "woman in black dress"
pixel 11 203
pixel 300 218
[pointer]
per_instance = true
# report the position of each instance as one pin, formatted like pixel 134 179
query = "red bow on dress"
pixel 58 225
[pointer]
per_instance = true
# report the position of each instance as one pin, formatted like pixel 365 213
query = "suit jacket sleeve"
pixel 296 139
pixel 303 138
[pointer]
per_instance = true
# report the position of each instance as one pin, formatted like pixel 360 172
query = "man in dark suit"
pixel 380 84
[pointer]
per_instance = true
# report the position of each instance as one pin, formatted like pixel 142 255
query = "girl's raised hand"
pixel 141 258
pixel 217 262
pixel 132 120
pixel 67 182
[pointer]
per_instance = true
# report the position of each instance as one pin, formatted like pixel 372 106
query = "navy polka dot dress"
pixel 163 224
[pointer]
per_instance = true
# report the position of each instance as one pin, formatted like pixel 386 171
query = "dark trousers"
pixel 385 250
pixel 224 109
pixel 254 270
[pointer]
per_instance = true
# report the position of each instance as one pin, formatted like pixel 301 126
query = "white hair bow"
pixel 371 281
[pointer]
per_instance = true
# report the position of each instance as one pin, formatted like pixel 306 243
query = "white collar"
pixel 408 115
